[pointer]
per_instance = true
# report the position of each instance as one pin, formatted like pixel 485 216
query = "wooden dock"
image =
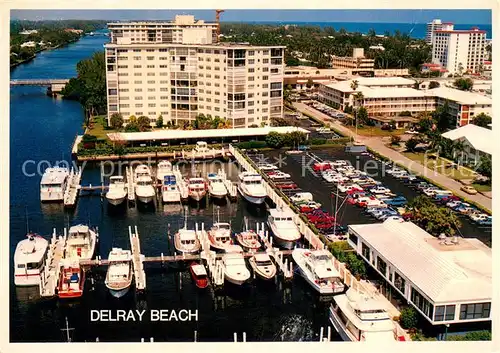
pixel 183 187
pixel 214 263
pixel 137 259
pixel 231 188
pixel 130 185
pixel 49 278
pixel 73 187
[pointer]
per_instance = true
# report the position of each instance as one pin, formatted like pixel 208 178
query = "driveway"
pixel 377 144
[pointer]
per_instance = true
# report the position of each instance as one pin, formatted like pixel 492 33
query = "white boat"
pixel 144 188
pixel 216 186
pixel 197 188
pixel 186 241
pixel 163 168
pixel 117 191
pixel 358 317
pixel 317 267
pixel 170 189
pixel 265 167
pixel 53 184
pixel 29 259
pixel 263 266
pixel 220 236
pixel 251 188
pixel 235 269
pixel 81 242
pixel 201 147
pixel 284 229
pixel 119 275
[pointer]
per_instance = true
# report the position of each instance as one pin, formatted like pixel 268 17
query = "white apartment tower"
pixel 459 51
pixel 178 70
pixel 436 25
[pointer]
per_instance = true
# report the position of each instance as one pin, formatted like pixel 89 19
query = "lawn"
pixel 375 131
pixel 482 187
pixel 98 128
pixel 442 166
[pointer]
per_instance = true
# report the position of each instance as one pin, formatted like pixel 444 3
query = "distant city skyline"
pixel 374 16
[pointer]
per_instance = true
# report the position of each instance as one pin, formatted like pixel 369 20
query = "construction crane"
pixel 217 20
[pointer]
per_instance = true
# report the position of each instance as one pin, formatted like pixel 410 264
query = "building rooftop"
pixel 459 96
pixel 200 134
pixel 390 92
pixel 480 138
pixel 444 273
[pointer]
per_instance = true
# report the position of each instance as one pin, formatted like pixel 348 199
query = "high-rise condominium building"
pixel 178 70
pixel 436 25
pixel 459 51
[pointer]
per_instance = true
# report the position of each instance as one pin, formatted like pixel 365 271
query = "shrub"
pixel 408 318
pixel 317 141
pixel 395 140
pixel 116 121
pixel 252 144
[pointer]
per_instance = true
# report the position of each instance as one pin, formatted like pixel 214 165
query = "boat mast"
pixel 67 329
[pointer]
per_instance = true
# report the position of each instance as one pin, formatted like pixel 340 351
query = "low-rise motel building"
pixel 388 97
pixel 477 142
pixel 171 137
pixel 447 280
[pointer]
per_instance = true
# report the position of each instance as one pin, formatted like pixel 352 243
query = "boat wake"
pixel 295 328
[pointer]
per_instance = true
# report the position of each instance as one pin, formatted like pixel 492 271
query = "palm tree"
pixel 354 84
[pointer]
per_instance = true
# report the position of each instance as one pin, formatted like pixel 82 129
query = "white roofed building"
pixel 478 141
pixel 447 281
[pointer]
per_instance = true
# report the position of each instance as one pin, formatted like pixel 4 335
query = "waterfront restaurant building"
pixel 447 281
pixel 178 70
pixel 190 137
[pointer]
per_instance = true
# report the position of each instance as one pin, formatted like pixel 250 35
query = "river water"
pixel 42 130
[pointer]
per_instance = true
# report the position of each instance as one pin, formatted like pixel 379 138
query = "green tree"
pixel 434 84
pixel 411 144
pixel 132 126
pixel 132 119
pixel 434 219
pixel 116 121
pixel 354 85
pixel 444 121
pixel 484 166
pixel 274 139
pixel 144 123
pixel 408 319
pixel 482 120
pixel 159 122
pixel 309 83
pixel 296 138
pixel 395 140
pixel 362 115
pixel 463 84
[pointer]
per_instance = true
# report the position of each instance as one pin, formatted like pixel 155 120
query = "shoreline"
pixel 13 66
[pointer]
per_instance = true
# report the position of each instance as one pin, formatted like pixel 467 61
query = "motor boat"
pixel 235 269
pixel 216 186
pixel 317 267
pixel 219 235
pixel 197 188
pixel 71 279
pixel 117 191
pixel 29 260
pixel 186 241
pixel 263 266
pixel 170 189
pixel 358 317
pixel 251 188
pixel 164 168
pixel 201 147
pixel 81 242
pixel 284 229
pixel 119 275
pixel 248 239
pixel 199 274
pixel 144 189
pixel 54 184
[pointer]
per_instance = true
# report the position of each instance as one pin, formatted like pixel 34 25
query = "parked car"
pixel 469 189
pixel 301 197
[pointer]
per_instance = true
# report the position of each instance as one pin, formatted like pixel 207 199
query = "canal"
pixel 42 130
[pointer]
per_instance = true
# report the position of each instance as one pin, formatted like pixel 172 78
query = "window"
pixel 138 82
pixel 365 250
pixel 251 103
pixel 163 57
pixel 276 85
pixel 163 66
pixel 265 78
pixel 138 98
pixel 123 66
pixel 152 105
pixel 265 94
pixel 251 61
pixel 251 69
pixel 250 111
pixel 275 94
pixel 265 61
pixel 420 302
pixel 137 58
pixel 123 89
pixel 353 238
pixel 444 313
pixel 138 89
pixel 150 66
pixel 475 311
pixel 151 89
pixel 123 82
pixel 137 66
pixel 124 106
pixel 151 82
pixel 399 282
pixel 122 58
pixel 250 95
pixel 251 78
pixel 151 97
pixel 138 105
pixel 265 85
pixel 150 50
pixel 150 57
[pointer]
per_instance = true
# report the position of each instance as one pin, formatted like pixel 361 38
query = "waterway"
pixel 42 130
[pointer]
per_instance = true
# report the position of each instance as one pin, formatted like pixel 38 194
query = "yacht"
pixel 119 274
pixel 170 189
pixel 53 184
pixel 284 229
pixel 248 239
pixel 201 147
pixel 220 236
pixel 163 168
pixel 317 267
pixel 358 317
pixel 186 241
pixel 71 280
pixel 81 242
pixel 197 188
pixel 263 266
pixel 144 188
pixel 117 191
pixel 235 269
pixel 251 187
pixel 216 186
pixel 29 259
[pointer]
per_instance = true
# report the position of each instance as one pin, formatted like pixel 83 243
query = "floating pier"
pixel 214 263
pixel 278 255
pixel 73 187
pixel 232 191
pixel 130 185
pixel 137 259
pixel 183 187
pixel 49 278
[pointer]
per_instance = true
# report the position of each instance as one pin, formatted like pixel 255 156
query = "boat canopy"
pixel 169 180
pixel 199 270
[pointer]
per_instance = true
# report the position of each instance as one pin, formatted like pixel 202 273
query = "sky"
pixel 388 16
